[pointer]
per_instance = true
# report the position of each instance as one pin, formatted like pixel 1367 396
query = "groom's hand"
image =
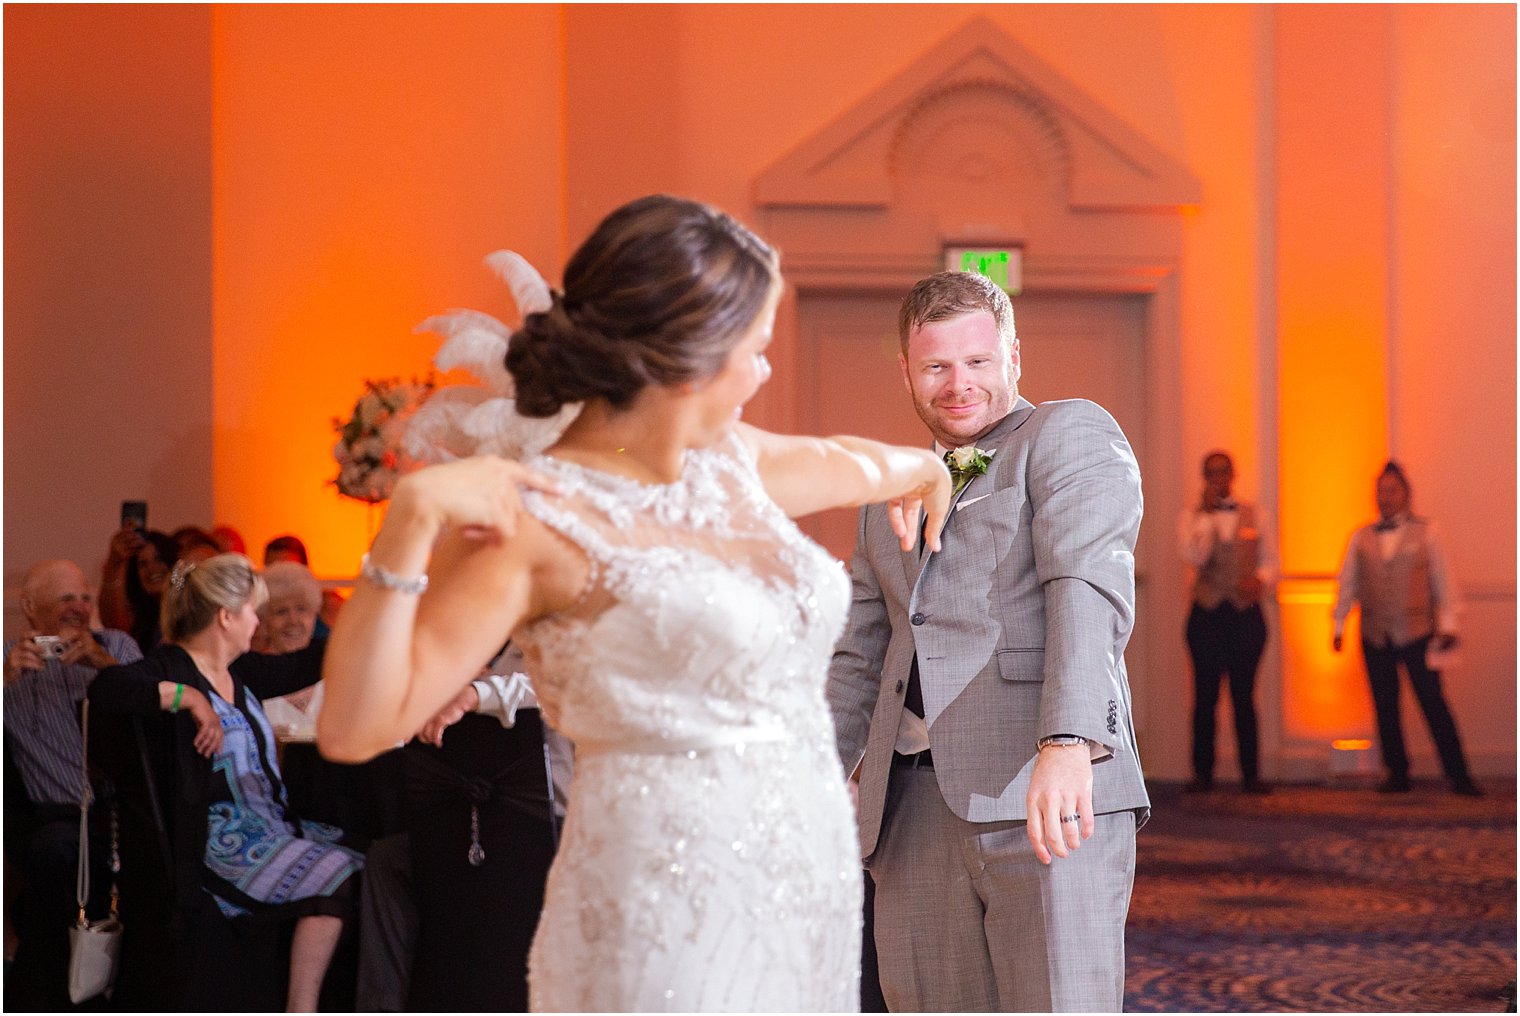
pixel 1060 787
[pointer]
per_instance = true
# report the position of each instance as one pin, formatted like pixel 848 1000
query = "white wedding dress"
pixel 709 860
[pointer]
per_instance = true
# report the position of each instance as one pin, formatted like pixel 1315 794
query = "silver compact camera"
pixel 50 647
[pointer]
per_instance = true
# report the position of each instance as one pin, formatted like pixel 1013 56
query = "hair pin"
pixel 181 569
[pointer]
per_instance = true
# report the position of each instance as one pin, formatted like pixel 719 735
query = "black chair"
pixel 179 952
pixel 476 921
pixel 366 800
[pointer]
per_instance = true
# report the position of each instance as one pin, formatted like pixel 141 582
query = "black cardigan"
pixel 183 772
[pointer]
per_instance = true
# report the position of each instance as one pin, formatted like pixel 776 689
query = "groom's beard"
pixel 953 433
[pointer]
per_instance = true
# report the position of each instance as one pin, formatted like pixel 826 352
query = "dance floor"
pixel 1321 899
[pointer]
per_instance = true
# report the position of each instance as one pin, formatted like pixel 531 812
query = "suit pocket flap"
pixel 1021 664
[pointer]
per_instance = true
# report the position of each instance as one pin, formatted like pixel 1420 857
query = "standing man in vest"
pixel 1229 545
pixel 1395 567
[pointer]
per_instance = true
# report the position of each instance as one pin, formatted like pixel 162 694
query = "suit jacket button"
pixel 899 687
pixel 917 619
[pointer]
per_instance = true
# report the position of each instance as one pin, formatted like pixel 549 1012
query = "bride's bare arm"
pixel 809 474
pixel 395 658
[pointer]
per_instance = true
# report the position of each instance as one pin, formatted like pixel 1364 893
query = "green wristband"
pixel 179 693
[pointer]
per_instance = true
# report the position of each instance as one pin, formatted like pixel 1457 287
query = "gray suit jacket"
pixel 1019 624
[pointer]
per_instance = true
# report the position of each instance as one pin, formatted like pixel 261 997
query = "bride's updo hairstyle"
pixel 658 295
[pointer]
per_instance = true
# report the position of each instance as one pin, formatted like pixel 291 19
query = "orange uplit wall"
pixel 298 186
pixel 366 158
pixel 1452 400
pixel 1227 137
pixel 1332 190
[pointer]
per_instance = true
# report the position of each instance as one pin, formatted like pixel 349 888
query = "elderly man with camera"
pixel 47 671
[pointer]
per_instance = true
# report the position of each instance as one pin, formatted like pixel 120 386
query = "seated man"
pixel 195 544
pixel 285 548
pixel 46 673
pixel 229 540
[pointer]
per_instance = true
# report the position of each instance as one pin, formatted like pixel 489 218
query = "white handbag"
pixel 94 946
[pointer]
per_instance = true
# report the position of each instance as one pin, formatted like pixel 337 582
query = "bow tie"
pixel 1386 525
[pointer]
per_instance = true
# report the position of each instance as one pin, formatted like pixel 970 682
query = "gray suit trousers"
pixel 969 920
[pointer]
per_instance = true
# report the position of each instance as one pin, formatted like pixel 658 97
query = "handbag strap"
pixel 82 877
pixel 86 797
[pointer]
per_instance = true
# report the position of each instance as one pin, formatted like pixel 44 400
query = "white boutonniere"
pixel 966 462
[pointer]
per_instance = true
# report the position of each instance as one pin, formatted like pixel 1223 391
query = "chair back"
pixel 481 845
pixel 179 953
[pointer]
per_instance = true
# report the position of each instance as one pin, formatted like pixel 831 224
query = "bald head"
pixel 54 595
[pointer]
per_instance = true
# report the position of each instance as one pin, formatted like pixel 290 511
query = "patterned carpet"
pixel 1319 899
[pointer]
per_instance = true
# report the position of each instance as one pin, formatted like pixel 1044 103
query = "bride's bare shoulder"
pixel 559 569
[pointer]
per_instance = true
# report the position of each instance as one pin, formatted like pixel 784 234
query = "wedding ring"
pixel 1071 818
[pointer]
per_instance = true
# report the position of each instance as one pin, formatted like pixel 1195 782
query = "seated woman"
pixel 254 856
pixel 287 622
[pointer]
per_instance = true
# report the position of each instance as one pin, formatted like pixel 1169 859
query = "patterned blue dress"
pixel 250 843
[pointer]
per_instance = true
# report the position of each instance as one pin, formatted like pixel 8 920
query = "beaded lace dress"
pixel 709 859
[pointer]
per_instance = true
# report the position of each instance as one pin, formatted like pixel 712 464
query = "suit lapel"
pixel 914 563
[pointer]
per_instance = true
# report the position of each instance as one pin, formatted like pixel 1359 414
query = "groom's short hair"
pixel 951 294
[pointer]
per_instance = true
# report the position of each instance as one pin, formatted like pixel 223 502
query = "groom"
pixel 985 686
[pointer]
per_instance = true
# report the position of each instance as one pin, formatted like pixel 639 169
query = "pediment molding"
pixel 978 108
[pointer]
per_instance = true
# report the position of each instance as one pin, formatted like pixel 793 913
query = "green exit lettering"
pixel 991 263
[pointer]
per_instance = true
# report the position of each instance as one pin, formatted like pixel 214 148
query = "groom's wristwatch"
pixel 1060 741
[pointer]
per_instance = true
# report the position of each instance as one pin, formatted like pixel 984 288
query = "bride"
pixel 678 627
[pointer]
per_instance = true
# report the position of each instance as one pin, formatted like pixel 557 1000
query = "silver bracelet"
pixel 386 579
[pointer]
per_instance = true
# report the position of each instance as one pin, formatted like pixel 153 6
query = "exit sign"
pixel 1003 266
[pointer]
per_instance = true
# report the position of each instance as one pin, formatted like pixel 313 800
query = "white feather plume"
pixel 434 433
pixel 501 430
pixel 458 421
pixel 529 289
pixel 475 341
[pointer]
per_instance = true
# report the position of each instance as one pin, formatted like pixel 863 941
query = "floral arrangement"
pixel 369 451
